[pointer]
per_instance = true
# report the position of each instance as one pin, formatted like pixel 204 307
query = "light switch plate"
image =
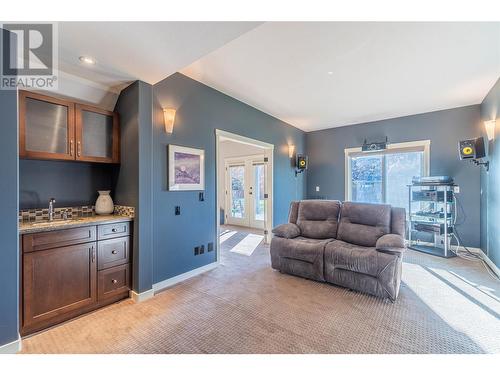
pixel 456 189
pixel 317 188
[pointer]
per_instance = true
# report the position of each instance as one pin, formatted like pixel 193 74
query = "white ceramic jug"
pixel 104 204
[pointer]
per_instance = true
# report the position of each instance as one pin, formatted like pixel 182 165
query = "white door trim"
pixel 269 153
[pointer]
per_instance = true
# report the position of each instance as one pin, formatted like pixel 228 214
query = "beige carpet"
pixel 243 306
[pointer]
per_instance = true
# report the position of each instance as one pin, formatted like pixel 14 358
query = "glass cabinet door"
pixel 96 135
pixel 46 127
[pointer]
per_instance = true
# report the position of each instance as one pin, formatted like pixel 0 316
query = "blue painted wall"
pixel 490 181
pixel 201 110
pixel 72 184
pixel 9 251
pixel 443 128
pixel 133 184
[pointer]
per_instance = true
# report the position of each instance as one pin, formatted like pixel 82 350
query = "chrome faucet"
pixel 51 208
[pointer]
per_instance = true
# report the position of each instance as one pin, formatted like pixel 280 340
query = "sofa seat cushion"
pixel 364 223
pixel 318 219
pixel 302 248
pixel 355 258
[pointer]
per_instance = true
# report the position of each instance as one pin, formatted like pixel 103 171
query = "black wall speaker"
pixel 301 162
pixel 471 148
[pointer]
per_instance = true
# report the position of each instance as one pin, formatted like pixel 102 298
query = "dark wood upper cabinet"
pixel 97 135
pixel 52 128
pixel 46 127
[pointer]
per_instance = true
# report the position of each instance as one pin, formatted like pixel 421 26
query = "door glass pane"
pixel 237 181
pixel 259 179
pixel 97 134
pixel 366 179
pixel 401 168
pixel 46 127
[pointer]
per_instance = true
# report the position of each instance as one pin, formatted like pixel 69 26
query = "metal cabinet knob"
pixel 114 281
pixel 114 252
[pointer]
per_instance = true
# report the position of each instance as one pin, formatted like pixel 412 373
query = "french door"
pixel 246 197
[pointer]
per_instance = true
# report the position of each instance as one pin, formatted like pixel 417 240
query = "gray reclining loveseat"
pixel 354 245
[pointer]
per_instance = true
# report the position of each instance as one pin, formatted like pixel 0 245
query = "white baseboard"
pixel 177 279
pixel 488 261
pixel 140 297
pixel 12 347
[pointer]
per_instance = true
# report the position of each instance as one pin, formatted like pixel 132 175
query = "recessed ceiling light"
pixel 87 60
pixel 330 73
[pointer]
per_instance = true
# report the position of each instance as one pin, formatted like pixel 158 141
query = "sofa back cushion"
pixel 293 212
pixel 364 223
pixel 318 218
pixel 398 221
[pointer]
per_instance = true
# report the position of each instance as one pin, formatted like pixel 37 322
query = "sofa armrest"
pixel 288 230
pixel 391 243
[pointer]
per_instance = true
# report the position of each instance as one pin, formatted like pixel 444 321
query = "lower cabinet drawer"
pixel 114 252
pixel 106 231
pixel 113 281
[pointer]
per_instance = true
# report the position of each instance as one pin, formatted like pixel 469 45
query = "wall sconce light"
pixel 169 118
pixel 291 151
pixel 490 129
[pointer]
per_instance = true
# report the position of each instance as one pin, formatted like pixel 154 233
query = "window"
pixel 383 177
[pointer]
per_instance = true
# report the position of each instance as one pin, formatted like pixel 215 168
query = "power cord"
pixel 466 253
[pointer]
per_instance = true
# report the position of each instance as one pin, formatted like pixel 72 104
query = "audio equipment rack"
pixel 431 225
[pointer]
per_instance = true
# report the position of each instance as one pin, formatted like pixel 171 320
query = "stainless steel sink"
pixel 54 222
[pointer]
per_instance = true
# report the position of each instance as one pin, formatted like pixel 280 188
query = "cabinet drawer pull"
pixel 114 230
pixel 114 252
pixel 114 281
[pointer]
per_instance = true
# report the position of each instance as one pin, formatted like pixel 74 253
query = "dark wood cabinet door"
pixel 97 135
pixel 46 127
pixel 58 284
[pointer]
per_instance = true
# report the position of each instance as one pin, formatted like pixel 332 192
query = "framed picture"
pixel 186 168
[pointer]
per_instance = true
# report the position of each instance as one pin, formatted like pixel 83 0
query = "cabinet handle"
pixel 114 252
pixel 79 148
pixel 114 281
pixel 93 254
pixel 71 147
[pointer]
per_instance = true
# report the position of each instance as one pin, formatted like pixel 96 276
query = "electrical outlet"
pixel 197 250
pixel 202 249
pixel 317 188
pixel 456 189
pixel 210 247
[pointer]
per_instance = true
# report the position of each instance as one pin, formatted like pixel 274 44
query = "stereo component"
pixel 431 195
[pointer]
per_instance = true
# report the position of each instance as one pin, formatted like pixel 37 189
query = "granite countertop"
pixel 45 226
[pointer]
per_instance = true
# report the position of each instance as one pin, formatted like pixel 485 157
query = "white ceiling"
pixel 150 51
pixel 323 75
